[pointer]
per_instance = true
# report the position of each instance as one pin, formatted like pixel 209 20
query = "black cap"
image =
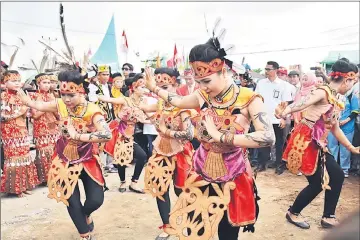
pixel 293 72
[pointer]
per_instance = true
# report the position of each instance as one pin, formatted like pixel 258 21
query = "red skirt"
pixel 302 152
pixel 183 165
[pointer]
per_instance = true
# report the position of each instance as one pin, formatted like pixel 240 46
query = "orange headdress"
pixel 41 77
pixel 70 87
pixel 11 76
pixel 203 69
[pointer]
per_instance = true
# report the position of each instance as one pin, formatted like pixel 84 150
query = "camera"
pixel 315 68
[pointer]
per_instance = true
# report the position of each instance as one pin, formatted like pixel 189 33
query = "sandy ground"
pixel 130 216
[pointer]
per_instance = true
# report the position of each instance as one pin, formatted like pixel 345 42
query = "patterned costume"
pixel 72 156
pixel 171 157
pixel 120 147
pixel 19 168
pixel 46 134
pixel 220 181
pixel 308 139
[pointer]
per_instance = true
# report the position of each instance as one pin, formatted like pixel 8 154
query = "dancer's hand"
pixel 355 150
pixel 71 129
pixel 149 78
pixel 211 129
pixel 282 123
pixel 162 127
pixel 280 109
pixel 23 97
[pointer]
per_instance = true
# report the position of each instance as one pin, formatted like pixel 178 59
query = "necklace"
pixel 226 105
pixel 167 107
pixel 83 107
pixel 134 103
pixel 333 91
pixel 220 99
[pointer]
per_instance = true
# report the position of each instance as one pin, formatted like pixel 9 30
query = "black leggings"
pixel 94 199
pixel 141 159
pixel 314 188
pixel 226 231
pixel 164 207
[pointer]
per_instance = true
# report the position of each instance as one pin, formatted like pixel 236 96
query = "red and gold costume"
pixel 19 168
pixel 308 139
pixel 46 134
pixel 121 145
pixel 72 156
pixel 171 157
pixel 221 180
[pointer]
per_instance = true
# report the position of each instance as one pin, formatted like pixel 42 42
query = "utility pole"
pixel 49 41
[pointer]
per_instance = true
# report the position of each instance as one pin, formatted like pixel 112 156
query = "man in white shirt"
pixel 149 129
pixel 274 91
pixel 102 88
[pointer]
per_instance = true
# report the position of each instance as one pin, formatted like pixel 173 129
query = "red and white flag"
pixel 124 42
pixel 175 56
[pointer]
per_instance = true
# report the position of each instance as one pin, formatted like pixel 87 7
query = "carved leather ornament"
pixel 203 69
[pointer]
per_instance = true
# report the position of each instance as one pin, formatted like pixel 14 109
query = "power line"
pixel 293 49
pixel 68 30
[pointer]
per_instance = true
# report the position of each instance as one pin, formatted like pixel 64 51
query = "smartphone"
pixel 314 68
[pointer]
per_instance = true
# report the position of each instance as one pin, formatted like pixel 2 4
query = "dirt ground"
pixel 130 216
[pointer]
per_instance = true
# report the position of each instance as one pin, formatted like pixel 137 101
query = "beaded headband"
pixel 43 77
pixel 12 76
pixel 53 77
pixel 164 79
pixel 203 69
pixel 336 75
pixel 70 87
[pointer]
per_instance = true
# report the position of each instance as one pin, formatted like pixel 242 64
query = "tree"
pixel 257 70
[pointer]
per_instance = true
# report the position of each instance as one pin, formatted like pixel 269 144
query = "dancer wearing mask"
pixel 306 150
pixel 122 147
pixel 46 131
pixel 83 126
pixel 220 195
pixel 173 150
pixel 19 174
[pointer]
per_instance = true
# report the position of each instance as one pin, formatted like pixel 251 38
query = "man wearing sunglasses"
pixel 127 68
pixel 274 91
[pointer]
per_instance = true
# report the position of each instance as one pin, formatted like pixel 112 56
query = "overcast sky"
pixel 157 26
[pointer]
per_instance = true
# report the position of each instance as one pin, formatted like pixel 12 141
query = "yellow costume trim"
pixel 62 180
pixel 198 212
pixel 158 175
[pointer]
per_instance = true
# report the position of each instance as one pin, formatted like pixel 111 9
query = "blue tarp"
pixel 107 51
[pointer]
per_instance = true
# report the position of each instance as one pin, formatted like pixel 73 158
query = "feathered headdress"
pixel 203 69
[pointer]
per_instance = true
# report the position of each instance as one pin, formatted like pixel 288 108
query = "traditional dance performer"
pixel 19 175
pixel 122 147
pixel 220 194
pixel 306 149
pixel 83 126
pixel 46 131
pixel 172 152
pixel 54 84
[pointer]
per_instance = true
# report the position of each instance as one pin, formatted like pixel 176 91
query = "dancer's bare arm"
pixel 103 133
pixel 38 105
pixel 262 137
